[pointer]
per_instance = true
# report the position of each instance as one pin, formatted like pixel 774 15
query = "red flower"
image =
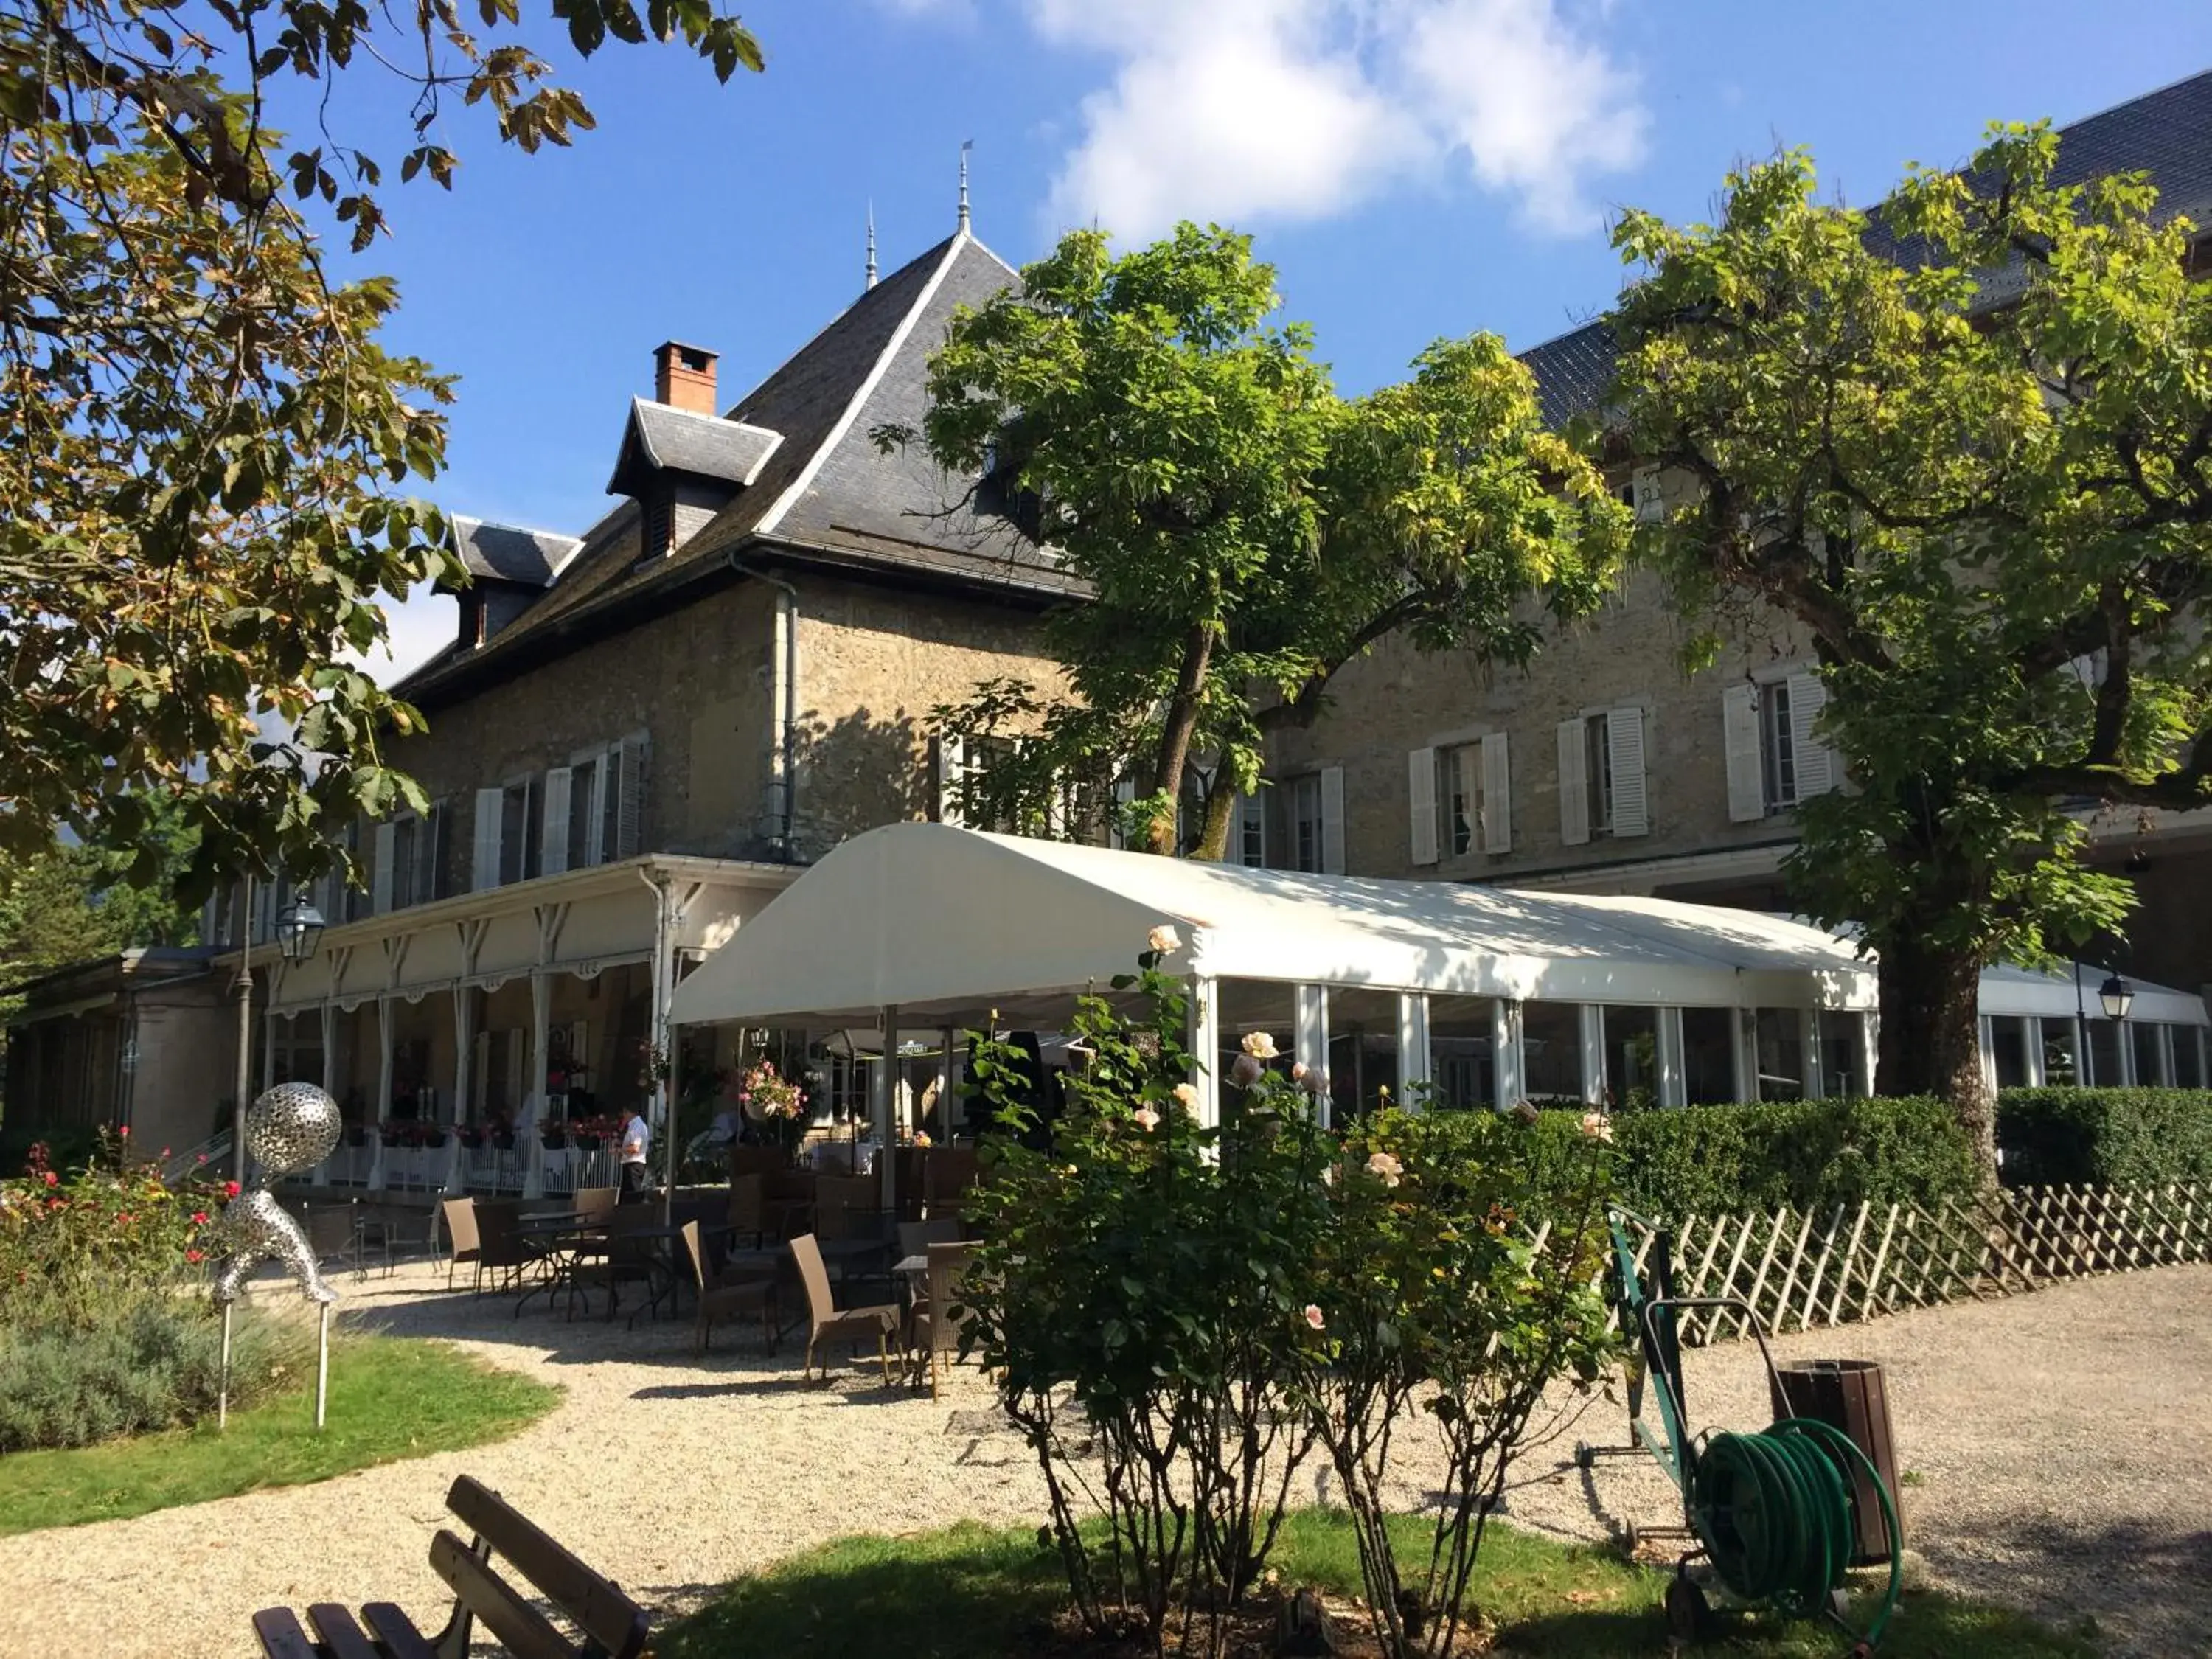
pixel 124 1130
pixel 52 1180
pixel 122 1217
pixel 230 1189
pixel 199 1157
pixel 199 1217
pixel 195 1256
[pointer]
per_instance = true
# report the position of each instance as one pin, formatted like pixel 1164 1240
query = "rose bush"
pixel 1176 1314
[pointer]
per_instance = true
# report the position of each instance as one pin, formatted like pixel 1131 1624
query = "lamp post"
pixel 299 929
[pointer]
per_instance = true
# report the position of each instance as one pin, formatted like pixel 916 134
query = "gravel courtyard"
pixel 2063 1464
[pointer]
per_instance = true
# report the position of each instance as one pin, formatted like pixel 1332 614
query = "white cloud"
pixel 1237 110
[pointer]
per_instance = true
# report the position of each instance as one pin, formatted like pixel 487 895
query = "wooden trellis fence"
pixel 1801 1269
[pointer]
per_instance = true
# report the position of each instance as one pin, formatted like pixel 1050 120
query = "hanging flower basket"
pixel 556 1140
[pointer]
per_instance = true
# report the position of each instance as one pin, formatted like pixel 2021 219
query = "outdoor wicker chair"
pixel 730 1291
pixel 933 1326
pixel 831 1322
pixel 467 1247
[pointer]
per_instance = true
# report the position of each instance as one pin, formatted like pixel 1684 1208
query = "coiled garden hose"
pixel 1774 1512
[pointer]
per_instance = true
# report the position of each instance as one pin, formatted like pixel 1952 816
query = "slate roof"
pixel 508 553
pixel 2166 133
pixel 820 492
pixel 659 436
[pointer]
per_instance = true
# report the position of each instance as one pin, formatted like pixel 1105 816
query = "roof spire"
pixel 871 244
pixel 966 145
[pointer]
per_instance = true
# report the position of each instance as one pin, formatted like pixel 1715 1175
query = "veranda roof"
pixel 948 923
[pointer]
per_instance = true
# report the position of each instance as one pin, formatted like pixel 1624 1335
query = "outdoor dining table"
pixel 550 1228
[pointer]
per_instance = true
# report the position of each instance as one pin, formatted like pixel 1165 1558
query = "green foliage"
pixel 1244 531
pixel 1151 1273
pixel 1215 1300
pixel 390 1397
pixel 2105 1137
pixel 137 1360
pixel 204 433
pixel 69 905
pixel 975 1592
pixel 1461 1275
pixel 1965 446
pixel 72 1238
pixel 1809 1155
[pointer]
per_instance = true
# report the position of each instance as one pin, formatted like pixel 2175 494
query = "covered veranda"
pixel 1462 996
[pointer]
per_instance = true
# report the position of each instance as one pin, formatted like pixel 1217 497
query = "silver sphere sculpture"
pixel 290 1128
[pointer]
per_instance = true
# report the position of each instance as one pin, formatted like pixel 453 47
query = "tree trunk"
pixel 1931 1042
pixel 1176 732
pixel 1213 837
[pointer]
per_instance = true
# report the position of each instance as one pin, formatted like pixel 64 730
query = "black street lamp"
pixel 298 928
pixel 2117 996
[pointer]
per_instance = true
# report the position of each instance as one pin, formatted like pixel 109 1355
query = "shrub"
pixel 1815 1154
pixel 72 1238
pixel 138 1361
pixel 1460 1273
pixel 1152 1273
pixel 2105 1137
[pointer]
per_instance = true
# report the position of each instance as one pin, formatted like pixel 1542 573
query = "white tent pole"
pixel 1310 1035
pixel 880 1109
pixel 1413 1065
pixel 1506 1071
pixel 1205 1048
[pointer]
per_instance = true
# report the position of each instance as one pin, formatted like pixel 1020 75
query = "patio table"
pixel 562 1233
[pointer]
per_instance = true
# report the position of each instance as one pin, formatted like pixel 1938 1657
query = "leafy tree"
pixel 71 903
pixel 1962 444
pixel 1244 530
pixel 195 507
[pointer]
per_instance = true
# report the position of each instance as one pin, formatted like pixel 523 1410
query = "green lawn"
pixel 975 1592
pixel 391 1398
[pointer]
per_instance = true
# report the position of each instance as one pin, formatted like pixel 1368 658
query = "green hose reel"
pixel 1772 1512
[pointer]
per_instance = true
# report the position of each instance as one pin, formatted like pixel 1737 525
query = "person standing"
pixel 636 1144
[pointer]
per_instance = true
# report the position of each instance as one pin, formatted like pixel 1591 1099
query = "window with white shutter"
pixel 520 827
pixel 1624 736
pixel 380 886
pixel 559 807
pixel 1497 795
pixel 430 854
pixel 1251 849
pixel 1421 803
pixel 1741 746
pixel 1574 787
pixel 1816 768
pixel 949 761
pixel 484 860
pixel 1331 820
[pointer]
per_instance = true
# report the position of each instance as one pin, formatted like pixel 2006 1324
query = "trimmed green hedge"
pixel 1708 1160
pixel 2105 1137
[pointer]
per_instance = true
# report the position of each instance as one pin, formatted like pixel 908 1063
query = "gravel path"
pixel 2064 1467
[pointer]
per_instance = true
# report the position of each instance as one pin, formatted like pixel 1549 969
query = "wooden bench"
pixel 610 1626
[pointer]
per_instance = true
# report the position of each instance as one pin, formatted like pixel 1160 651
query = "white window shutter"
pixel 1497 795
pixel 553 849
pixel 387 836
pixel 1650 500
pixel 1624 736
pixel 1816 765
pixel 483 864
pixel 1421 803
pixel 1331 820
pixel 629 806
pixel 1574 785
pixel 951 765
pixel 1747 783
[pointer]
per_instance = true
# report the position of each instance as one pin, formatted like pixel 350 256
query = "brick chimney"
pixel 684 375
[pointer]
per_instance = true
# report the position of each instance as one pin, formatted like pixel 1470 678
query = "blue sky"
pixel 1414 168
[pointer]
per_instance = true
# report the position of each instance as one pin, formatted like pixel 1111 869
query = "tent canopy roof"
pixel 948 924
